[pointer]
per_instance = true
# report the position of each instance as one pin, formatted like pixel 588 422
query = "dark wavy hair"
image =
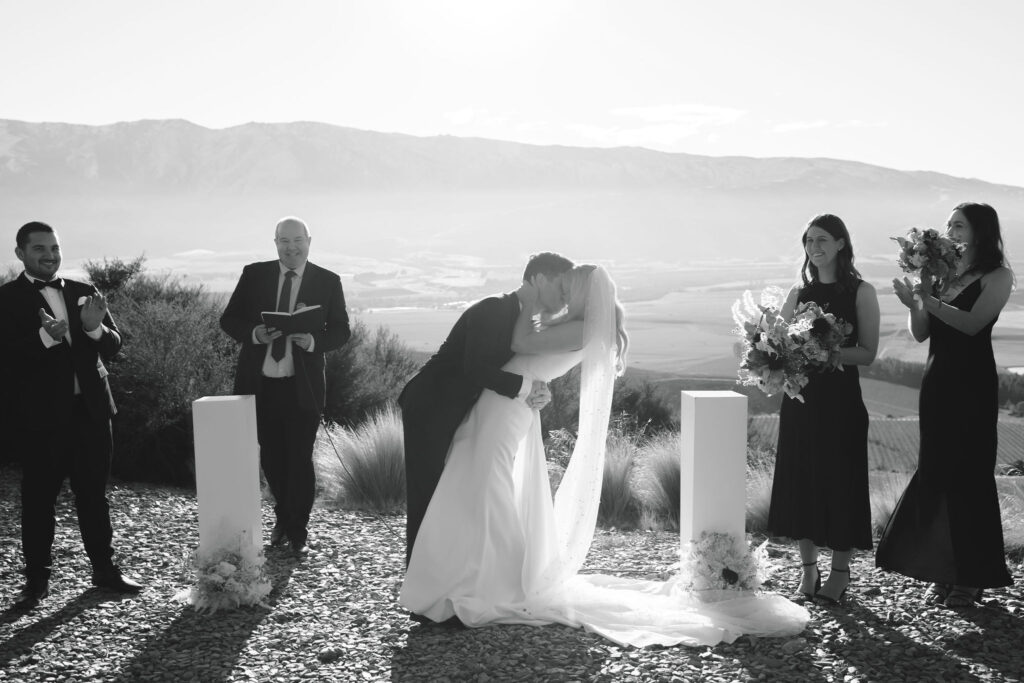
pixel 547 263
pixel 988 239
pixel 847 276
pixel 21 239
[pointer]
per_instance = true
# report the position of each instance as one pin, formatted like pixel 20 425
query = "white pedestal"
pixel 714 464
pixel 227 476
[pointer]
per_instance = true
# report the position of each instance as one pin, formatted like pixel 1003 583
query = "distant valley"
pixel 429 221
pixel 427 224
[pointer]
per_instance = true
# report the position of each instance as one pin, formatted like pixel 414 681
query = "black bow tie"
pixel 56 283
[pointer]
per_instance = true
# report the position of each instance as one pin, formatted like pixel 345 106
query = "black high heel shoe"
pixel 817 581
pixel 839 600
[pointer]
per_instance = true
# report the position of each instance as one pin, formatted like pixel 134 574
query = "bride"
pixel 493 546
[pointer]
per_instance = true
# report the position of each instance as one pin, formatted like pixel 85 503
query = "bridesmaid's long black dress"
pixel 946 526
pixel 820 487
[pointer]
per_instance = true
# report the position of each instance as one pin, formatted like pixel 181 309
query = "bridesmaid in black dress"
pixel 820 487
pixel 946 527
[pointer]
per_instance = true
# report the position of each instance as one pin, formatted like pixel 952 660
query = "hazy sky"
pixel 911 84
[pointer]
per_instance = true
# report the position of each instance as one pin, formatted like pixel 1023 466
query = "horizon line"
pixel 505 141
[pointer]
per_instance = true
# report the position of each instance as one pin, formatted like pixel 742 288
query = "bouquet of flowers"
pixel 228 580
pixel 819 336
pixel 718 561
pixel 932 253
pixel 779 355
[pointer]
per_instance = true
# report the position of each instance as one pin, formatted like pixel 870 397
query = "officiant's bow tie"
pixel 56 283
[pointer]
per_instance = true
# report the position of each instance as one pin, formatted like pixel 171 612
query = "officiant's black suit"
pixel 288 409
pixel 62 435
pixel 437 399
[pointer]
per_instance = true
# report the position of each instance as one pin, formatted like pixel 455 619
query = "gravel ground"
pixel 334 617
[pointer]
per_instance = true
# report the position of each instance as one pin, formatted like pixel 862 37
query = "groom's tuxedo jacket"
pixel 256 292
pixel 468 362
pixel 44 378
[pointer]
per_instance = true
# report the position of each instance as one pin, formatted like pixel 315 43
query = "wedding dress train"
pixel 494 548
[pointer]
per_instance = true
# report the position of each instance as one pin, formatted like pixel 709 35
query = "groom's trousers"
pixel 426 445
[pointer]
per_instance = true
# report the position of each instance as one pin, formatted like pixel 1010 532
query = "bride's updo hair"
pixel 579 288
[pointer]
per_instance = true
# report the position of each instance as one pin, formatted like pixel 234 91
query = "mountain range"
pixel 388 203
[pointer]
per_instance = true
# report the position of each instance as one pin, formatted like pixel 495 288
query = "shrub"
pixel 367 374
pixel 114 274
pixel 563 412
pixel 645 405
pixel 363 467
pixel 640 400
pixel 558 451
pixel 9 273
pixel 174 352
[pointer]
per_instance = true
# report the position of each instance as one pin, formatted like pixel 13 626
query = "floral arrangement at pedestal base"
pixel 227 580
pixel 718 561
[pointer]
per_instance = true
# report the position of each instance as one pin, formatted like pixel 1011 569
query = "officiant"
pixel 285 371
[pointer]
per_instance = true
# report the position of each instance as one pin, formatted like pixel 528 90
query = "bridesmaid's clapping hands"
pixel 904 292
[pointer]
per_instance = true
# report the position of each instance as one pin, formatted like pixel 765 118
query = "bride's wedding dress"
pixel 494 548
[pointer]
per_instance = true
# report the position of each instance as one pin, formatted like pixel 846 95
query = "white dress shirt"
pixel 286 366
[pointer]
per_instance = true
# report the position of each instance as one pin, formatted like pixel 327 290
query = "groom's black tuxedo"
pixel 437 399
pixel 63 434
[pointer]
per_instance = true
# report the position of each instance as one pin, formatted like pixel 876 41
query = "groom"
pixel 436 400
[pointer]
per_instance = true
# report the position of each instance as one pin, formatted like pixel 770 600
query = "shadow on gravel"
pixel 501 652
pixel 35 631
pixel 204 646
pixel 872 643
pixel 997 640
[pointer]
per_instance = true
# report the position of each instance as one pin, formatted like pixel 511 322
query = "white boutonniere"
pixel 299 305
pixel 81 301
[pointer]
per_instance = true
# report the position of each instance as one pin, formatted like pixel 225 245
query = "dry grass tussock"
pixel 363 468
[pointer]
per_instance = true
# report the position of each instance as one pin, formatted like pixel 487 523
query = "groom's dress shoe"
pixel 114 580
pixel 277 535
pixel 32 593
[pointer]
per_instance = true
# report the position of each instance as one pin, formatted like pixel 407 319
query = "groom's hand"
pixel 539 395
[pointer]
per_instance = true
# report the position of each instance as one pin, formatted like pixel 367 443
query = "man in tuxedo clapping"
pixel 56 335
pixel 286 371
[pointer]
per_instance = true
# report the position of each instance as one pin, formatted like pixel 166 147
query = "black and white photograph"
pixel 511 340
